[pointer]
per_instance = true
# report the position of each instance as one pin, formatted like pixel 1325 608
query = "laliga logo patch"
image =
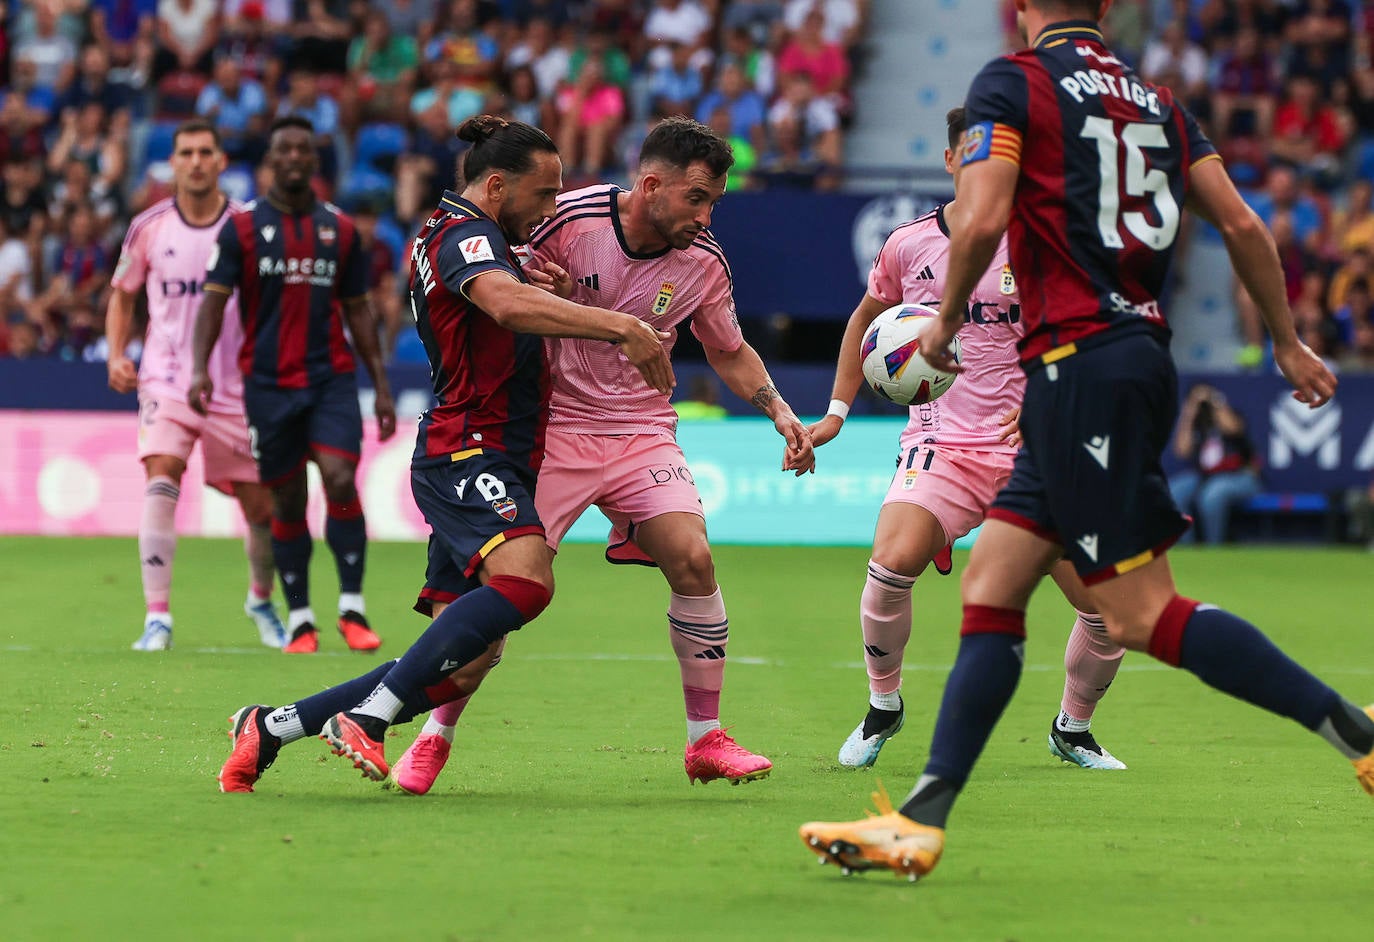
pixel 664 298
pixel 1008 281
pixel 476 249
pixel 506 508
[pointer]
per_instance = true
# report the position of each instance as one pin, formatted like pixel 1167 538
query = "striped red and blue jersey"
pixel 1104 162
pixel 293 271
pixel 492 384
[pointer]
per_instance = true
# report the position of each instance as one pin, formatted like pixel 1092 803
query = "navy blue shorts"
pixel 472 506
pixel 286 425
pixel 1088 475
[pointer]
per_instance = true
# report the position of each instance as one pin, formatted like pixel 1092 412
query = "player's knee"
pixel 529 596
pixel 693 573
pixel 1128 632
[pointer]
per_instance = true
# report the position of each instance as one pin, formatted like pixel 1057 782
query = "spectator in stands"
pixel 79 186
pixel 22 208
pixel 674 88
pixel 1309 134
pixel 803 137
pixel 187 31
pixel 1127 28
pixel 51 53
pixel 21 134
pixel 382 66
pixel 24 340
pixel 807 50
pixel 117 26
pixel 456 101
pixel 1211 437
pixel 685 22
pixel 842 20
pixel 1353 226
pixel 522 98
pixel 760 68
pixel 746 108
pixel 256 43
pixel 1247 88
pixel 760 18
pixel 92 85
pixel 542 53
pixel 1358 265
pixel 322 30
pixel 427 165
pixel 591 112
pixel 238 107
pixel 16 274
pixel 556 12
pixel 1318 35
pixel 242 15
pixel 460 40
pixel 414 18
pixel 88 135
pixel 382 283
pixel 305 100
pixel 740 175
pixel 616 67
pixel 1355 313
pixel 1172 54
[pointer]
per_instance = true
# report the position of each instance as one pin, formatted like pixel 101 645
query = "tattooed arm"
pixel 742 370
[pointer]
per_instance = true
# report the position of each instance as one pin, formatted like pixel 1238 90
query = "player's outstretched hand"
pixel 123 374
pixel 643 347
pixel 935 345
pixel 553 279
pixel 800 454
pixel 385 410
pixel 1010 421
pixel 1312 382
pixel 201 391
pixel 826 430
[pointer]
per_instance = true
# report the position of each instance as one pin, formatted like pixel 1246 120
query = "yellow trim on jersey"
pixel 445 201
pixel 1059 353
pixel 1057 42
pixel 218 289
pixel 1040 40
pixel 465 453
pixel 1203 160
pixel 1135 562
pixel 491 544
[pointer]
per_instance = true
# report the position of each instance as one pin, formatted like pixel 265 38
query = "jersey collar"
pixel 940 219
pixel 1070 29
pixel 452 202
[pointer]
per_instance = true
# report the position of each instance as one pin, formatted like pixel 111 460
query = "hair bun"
pixel 480 127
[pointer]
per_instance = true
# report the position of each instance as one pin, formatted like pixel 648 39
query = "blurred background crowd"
pixel 94 88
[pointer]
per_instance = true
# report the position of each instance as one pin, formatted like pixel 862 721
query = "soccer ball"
pixel 893 366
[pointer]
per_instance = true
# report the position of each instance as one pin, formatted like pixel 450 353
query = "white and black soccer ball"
pixel 893 366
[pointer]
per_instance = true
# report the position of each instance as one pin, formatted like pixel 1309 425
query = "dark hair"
pixel 197 126
pixel 680 142
pixel 499 144
pixel 1088 8
pixel 956 121
pixel 290 121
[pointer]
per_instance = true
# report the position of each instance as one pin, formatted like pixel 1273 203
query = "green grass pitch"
pixel 565 812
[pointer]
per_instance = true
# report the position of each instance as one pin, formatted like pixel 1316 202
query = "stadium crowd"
pixel 94 89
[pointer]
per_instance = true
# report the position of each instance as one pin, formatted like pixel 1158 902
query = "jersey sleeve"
pixel 225 265
pixel 353 270
pixel 885 278
pixel 716 324
pixel 998 110
pixel 1200 148
pixel 132 269
pixel 469 249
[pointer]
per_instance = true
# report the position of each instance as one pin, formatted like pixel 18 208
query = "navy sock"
pixel 1232 655
pixel 291 548
pixel 345 531
pixel 315 710
pixel 461 632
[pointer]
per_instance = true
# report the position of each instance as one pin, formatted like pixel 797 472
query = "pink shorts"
pixel 168 426
pixel 630 478
pixel 956 485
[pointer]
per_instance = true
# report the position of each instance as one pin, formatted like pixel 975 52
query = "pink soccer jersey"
pixel 168 255
pixel 911 270
pixel 595 389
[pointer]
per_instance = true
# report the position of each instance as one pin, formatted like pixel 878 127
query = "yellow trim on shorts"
pixel 491 544
pixel 1135 562
pixel 1059 353
pixel 466 453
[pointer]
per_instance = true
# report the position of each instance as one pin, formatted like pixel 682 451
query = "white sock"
pixel 164 617
pixel 381 703
pixel 1069 724
pixel 285 723
pixel 433 727
pixel 297 617
pixel 255 599
pixel 698 728
pixel 886 701
pixel 352 602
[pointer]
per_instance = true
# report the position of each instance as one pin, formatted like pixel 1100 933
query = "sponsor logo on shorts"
pixel 670 473
pixel 506 507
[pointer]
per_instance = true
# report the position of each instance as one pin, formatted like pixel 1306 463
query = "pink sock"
pixel 257 544
pixel 699 631
pixel 1091 661
pixel 885 616
pixel 157 540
